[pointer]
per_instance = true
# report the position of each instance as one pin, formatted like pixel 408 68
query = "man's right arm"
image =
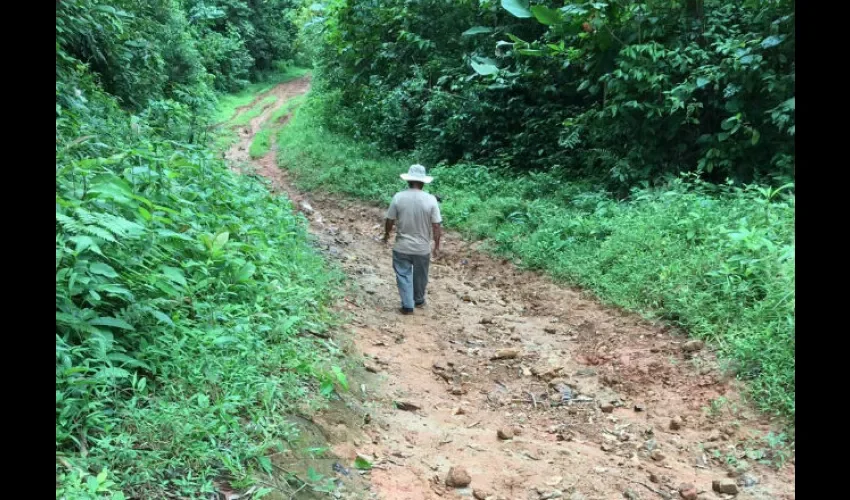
pixel 388 227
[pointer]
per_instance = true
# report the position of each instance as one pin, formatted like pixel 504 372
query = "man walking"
pixel 418 216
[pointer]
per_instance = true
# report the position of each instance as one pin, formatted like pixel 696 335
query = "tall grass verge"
pixel 184 298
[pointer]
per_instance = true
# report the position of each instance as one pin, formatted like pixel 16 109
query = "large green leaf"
pixel 113 322
pixel 103 269
pixel 225 340
pixel 546 15
pixel 245 272
pixel 175 275
pixel 484 66
pixel 476 30
pixel 518 8
pixel 771 41
pixel 112 372
pixel 220 240
pixel 111 187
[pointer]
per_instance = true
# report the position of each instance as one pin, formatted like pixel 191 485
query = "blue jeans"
pixel 411 274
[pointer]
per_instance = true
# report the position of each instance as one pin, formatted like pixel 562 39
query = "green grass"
pixel 262 143
pixel 717 261
pixel 284 110
pixel 228 104
pixel 255 111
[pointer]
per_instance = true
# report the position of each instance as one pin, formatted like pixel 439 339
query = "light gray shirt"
pixel 414 211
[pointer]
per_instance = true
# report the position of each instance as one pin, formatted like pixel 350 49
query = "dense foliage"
pixel 715 260
pixel 177 49
pixel 622 91
pixel 182 290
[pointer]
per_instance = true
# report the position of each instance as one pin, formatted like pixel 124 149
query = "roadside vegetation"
pixel 184 293
pixel 644 151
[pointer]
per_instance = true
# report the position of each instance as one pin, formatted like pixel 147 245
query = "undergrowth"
pixel 262 142
pixel 184 295
pixel 715 260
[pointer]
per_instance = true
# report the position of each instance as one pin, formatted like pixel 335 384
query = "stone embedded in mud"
pixel 693 346
pixel 725 486
pixel 606 407
pixel 505 433
pixel 407 406
pixel 550 495
pixel 481 494
pixel 370 367
pixel 747 480
pixel 676 423
pixel 457 390
pixel 656 455
pixel 546 372
pixel 689 493
pixel 486 321
pixel 509 353
pixel 306 208
pixel 639 407
pixel 631 495
pixel 555 481
pixel 458 477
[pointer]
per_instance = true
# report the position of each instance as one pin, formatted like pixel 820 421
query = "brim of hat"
pixel 426 179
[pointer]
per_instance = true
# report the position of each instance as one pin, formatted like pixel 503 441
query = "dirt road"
pixel 537 391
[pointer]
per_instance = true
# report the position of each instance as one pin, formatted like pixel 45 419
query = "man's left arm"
pixel 392 213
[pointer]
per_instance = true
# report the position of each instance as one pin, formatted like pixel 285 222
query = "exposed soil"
pixel 601 404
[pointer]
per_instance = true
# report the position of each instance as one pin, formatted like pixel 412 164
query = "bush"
pixel 623 93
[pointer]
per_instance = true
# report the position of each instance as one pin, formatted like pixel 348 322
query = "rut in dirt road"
pixel 533 389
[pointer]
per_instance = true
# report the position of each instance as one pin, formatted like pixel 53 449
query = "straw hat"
pixel 417 173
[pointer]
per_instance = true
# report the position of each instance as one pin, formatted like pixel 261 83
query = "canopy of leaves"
pixel 619 91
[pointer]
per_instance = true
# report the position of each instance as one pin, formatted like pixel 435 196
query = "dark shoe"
pixel 406 310
pixel 421 304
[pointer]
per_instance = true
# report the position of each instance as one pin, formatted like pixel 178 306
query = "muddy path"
pixel 536 390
